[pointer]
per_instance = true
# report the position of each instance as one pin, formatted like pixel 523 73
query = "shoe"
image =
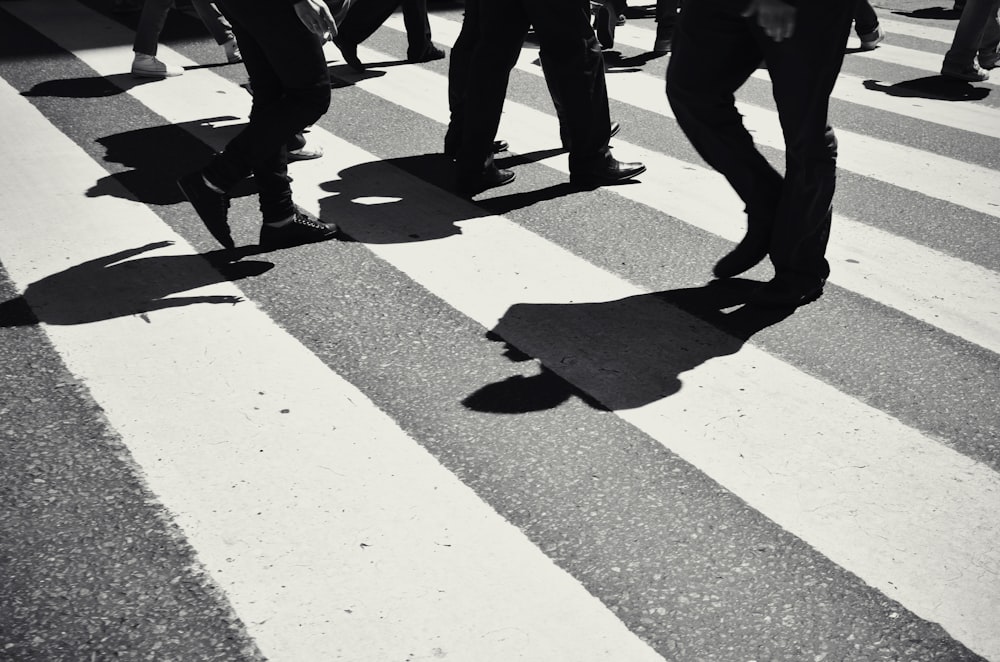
pixel 232 49
pixel 972 73
pixel 212 207
pixel 300 230
pixel 605 171
pixel 350 54
pixel 784 291
pixel 567 143
pixel 663 45
pixel 147 66
pixel 990 60
pixel 430 54
pixel 490 177
pixel 871 40
pixel 746 255
pixel 304 153
pixel 604 25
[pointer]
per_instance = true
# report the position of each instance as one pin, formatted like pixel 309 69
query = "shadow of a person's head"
pixel 123 284
pixel 621 354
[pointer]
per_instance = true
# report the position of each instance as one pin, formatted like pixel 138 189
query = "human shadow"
pixel 931 13
pixel 618 64
pixel 342 75
pixel 372 203
pixel 123 284
pixel 620 354
pixel 931 87
pixel 156 156
pixel 90 87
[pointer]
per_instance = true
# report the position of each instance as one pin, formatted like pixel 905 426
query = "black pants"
pixel 715 51
pixel 492 35
pixel 291 90
pixel 367 16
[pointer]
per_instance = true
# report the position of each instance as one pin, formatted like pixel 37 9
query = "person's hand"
pixel 316 16
pixel 777 18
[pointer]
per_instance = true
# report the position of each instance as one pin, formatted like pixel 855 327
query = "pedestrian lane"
pixel 527 426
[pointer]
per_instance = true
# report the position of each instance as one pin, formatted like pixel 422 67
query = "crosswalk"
pixel 524 427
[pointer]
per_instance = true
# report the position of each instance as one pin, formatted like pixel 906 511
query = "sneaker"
pixel 147 66
pixel 972 73
pixel 871 40
pixel 300 230
pixel 233 55
pixel 304 153
pixel 212 207
pixel 990 60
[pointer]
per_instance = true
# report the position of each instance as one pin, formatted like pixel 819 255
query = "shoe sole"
pixel 479 187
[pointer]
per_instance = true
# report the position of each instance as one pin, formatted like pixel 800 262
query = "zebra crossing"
pixel 524 427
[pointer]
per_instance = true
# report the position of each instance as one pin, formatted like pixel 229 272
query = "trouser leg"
pixel 151 21
pixel 213 19
pixel 458 75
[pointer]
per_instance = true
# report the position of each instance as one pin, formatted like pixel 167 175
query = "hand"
pixel 316 16
pixel 774 16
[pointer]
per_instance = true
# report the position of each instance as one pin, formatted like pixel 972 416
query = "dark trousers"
pixel 715 51
pixel 574 66
pixel 367 16
pixel 865 18
pixel 291 90
pixel 666 18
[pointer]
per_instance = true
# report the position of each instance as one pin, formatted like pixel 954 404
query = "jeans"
pixel 291 90
pixel 978 30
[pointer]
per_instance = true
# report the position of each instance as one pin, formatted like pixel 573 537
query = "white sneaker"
pixel 990 60
pixel 232 49
pixel 972 73
pixel 871 40
pixel 147 66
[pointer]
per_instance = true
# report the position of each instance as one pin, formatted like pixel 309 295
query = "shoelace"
pixel 301 219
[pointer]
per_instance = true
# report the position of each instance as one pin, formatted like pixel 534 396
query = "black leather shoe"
pixel 212 207
pixel 605 171
pixel 300 230
pixel 746 255
pixel 490 177
pixel 788 291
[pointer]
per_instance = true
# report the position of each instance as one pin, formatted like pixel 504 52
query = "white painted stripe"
pixel 906 514
pixel 334 534
pixel 918 30
pixel 934 509
pixel 971 117
pixel 965 184
pixel 957 296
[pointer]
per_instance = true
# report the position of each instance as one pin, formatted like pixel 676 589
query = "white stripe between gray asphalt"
pixel 906 514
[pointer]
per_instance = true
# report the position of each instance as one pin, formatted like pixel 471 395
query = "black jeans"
pixel 366 16
pixel 715 51
pixel 291 90
pixel 574 67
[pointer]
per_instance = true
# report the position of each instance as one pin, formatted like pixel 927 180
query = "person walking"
pixel 283 52
pixel 717 45
pixel 145 64
pixel 575 67
pixel 364 17
pixel 977 37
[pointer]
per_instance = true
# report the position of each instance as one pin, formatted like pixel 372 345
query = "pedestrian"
pixel 283 52
pixel 572 56
pixel 977 36
pixel 366 16
pixel 717 46
pixel 867 27
pixel 145 64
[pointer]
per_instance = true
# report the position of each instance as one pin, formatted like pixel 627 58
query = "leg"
pixel 666 18
pixel 419 48
pixel 364 18
pixel 213 19
pixel 575 68
pixel 291 88
pixel 151 20
pixel 714 54
pixel 865 18
pixel 503 25
pixel 960 60
pixel 803 72
pixel 458 76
